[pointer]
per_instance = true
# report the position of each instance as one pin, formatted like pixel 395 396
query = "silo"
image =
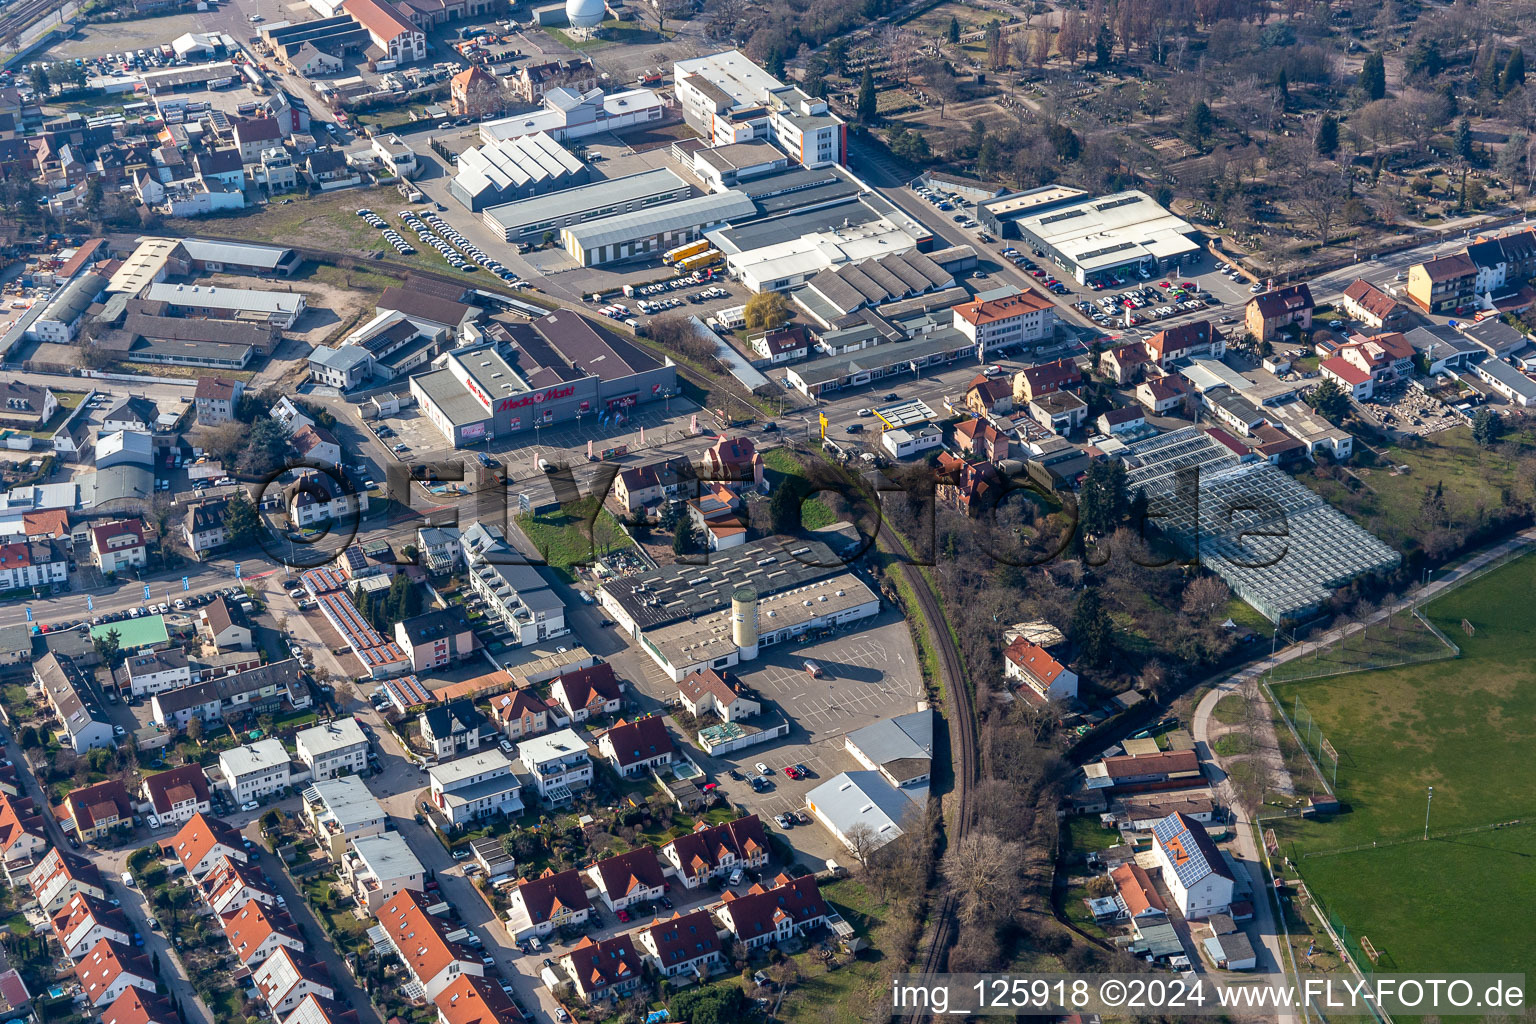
pixel 744 622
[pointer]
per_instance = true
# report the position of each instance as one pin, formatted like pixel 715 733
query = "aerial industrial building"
pixel 503 172
pixel 528 219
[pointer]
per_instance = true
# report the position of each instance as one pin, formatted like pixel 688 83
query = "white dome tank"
pixel 585 13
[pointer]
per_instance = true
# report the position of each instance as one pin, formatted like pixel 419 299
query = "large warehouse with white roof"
pixel 1093 235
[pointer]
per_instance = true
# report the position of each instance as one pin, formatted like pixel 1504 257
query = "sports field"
pixel 1467 727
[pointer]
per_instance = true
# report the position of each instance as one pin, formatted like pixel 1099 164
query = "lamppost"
pixel 1427 801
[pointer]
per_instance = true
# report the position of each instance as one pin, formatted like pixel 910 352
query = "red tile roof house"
pixel 1137 895
pixel 683 944
pixel 85 920
pixel 203 842
pixel 231 885
pixel 713 851
pixel 23 836
pixel 1029 664
pixel 98 809
pixel 178 794
pixel 472 1000
pixel 110 968
pixel 988 395
pixel 421 940
pixel 1124 363
pixel 629 878
pixel 135 1006
pixel 61 874
pixel 606 970
pixel 1031 383
pixel 518 714
pixel 256 930
pixel 713 692
pixel 734 463
pixel 982 439
pixel 1369 304
pixel 767 917
pixel 1269 312
pixel 633 748
pixel 1357 383
pixel 590 691
pixel 286 977
pixel 1196 338
pixel 553 900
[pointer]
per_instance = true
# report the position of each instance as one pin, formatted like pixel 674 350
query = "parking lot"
pixel 867 675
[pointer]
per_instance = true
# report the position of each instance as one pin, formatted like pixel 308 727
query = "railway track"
pixel 22 16
pixel 963 715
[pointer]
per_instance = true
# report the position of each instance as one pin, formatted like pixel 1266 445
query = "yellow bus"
pixel 682 252
pixel 701 261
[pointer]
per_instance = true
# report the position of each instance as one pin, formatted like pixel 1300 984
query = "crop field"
pixel 1463 900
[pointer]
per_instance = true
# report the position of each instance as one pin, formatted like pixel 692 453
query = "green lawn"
pixel 842 996
pixel 1467 728
pixel 1389 505
pixel 1402 639
pixel 573 537
pixel 814 513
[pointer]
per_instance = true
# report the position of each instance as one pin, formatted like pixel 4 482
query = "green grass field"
pixel 565 539
pixel 1466 727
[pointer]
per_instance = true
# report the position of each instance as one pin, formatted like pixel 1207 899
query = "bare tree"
pixel 1204 597
pixel 982 870
pixel 862 842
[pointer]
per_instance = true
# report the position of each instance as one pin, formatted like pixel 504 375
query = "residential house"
pixel 1045 378
pixel 1045 677
pixel 1124 364
pixel 634 748
pixel 542 905
pixel 256 770
pixel 1193 868
pixel 714 851
pixel 1443 285
pixel 783 345
pixel 980 438
pixel 453 728
pixel 711 692
pixel 59 875
pixel 559 764
pixel 85 725
pixel 475 93
pixel 969 487
pixel 603 971
pixel 341 811
pixel 1187 341
pixel 336 748
pixel 266 689
pixel 203 842
pixel 734 463
pixel 1443 348
pixel 132 413
pixel 1270 311
pixel 518 713
pixel 1061 412
pixel 475 1000
pixel 989 396
pixel 216 400
pixel 1356 382
pixel 477 785
pixel 587 692
pixel 33 563
pixel 1135 894
pixel 230 885
pixel 286 977
pixel 1369 304
pixel 1126 419
pixel 225 626
pixel 716 517
pixel 202 527
pixel 257 930
pixel 379 867
pixel 629 878
pixel 23 838
pixel 178 794
pixel 435 639
pixel 642 486
pixel 767 917
pixel 120 545
pixel 1168 769
pixel 908 444
pixel 316 445
pixel 148 673
pixel 1163 396
pixel 85 920
pixel 135 1006
pixel 422 940
pixel 110 969
pixel 312 1009
pixel 255 134
pixel 684 944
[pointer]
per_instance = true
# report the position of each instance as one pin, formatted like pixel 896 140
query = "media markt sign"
pixel 538 397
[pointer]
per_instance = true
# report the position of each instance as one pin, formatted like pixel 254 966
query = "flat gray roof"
pixel 584 198
pixel 451 398
pixel 624 227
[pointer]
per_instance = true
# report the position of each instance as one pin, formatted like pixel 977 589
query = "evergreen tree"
pixel 953 32
pixel 1091 630
pixel 784 508
pixel 1488 71
pixel 1487 427
pixel 240 519
pixel 686 540
pixel 1514 72
pixel 1373 77
pixel 1463 143
pixel 1329 399
pixel 1327 140
pixel 1137 514
pixel 1198 123
pixel 1104 502
pixel 866 107
pixel 39 79
pixel 108 647
pixel 1283 90
pixel 1102 45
